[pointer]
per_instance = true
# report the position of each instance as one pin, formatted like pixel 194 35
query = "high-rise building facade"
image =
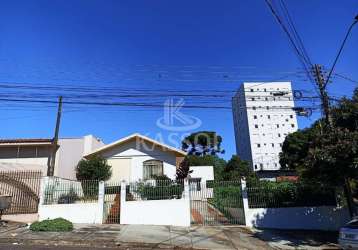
pixel 263 117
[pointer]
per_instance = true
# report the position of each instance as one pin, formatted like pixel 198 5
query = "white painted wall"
pixel 204 172
pixel 138 154
pixel 175 212
pixel 327 218
pixel 311 218
pixel 76 213
pixel 201 192
pixel 156 212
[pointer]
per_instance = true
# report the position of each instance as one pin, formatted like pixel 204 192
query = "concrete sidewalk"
pixel 138 237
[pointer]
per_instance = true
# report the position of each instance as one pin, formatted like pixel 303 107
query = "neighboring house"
pixel 137 157
pixel 33 154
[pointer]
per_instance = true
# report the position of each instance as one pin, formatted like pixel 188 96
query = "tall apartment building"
pixel 263 117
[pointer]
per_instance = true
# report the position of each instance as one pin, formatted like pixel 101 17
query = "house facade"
pixel 34 154
pixel 137 157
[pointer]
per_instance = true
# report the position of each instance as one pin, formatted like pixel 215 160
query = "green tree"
pixel 202 143
pixel 93 168
pixel 236 169
pixel 327 157
pixel 296 146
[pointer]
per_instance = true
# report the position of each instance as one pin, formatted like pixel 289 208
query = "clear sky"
pixel 159 44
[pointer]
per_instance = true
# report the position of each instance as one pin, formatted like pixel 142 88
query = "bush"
pixel 93 168
pixel 288 194
pixel 68 198
pixel 55 225
pixel 167 192
pixel 225 197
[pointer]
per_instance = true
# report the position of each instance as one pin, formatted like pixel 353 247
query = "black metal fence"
pixel 216 202
pixel 24 188
pixel 63 191
pixel 155 190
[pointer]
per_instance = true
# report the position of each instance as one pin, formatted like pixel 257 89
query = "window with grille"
pixel 152 168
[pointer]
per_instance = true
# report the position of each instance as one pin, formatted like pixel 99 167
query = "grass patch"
pixel 55 225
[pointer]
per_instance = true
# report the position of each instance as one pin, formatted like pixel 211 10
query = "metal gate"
pixel 112 199
pixel 24 188
pixel 216 202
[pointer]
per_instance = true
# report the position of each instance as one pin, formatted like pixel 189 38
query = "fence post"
pixel 43 185
pixel 100 202
pixel 122 202
pixel 186 189
pixel 245 202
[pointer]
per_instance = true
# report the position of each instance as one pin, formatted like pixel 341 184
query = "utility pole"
pixel 51 163
pixel 317 70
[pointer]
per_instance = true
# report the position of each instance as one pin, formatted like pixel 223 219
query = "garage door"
pixel 121 169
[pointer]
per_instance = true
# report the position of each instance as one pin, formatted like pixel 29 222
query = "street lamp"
pixel 341 48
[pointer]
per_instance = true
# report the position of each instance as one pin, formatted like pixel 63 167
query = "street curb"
pixel 98 244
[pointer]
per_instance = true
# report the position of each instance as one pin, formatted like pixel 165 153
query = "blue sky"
pixel 109 43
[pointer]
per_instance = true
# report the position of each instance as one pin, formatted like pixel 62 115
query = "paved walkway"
pixel 139 237
pixel 168 237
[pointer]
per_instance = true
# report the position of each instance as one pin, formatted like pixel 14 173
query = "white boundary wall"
pixel 328 218
pixel 76 212
pixel 175 212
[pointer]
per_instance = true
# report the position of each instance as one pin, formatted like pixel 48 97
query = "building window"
pixel 266 99
pixel 252 99
pixel 277 125
pixel 254 108
pixel 279 135
pixel 291 116
pixel 252 90
pixel 273 145
pixel 256 126
pixel 255 166
pixel 292 125
pixel 152 168
pixel 265 90
pixel 258 145
pixel 268 116
pixel 267 107
pixel 255 116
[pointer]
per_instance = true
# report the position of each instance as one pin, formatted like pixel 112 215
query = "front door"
pixel 121 169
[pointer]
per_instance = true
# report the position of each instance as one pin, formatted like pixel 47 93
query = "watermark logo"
pixel 175 120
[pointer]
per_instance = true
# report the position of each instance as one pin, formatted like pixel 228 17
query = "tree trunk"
pixel 348 193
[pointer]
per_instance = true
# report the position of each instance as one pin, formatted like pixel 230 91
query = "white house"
pixel 137 157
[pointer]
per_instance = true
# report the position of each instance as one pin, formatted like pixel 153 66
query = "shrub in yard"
pixel 288 194
pixel 229 196
pixel 55 225
pixel 68 198
pixel 166 192
pixel 93 168
pixel 90 171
